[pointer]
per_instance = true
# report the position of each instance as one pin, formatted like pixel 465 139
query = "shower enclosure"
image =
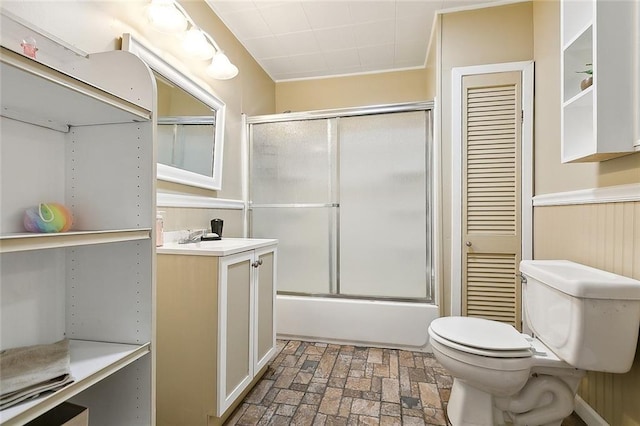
pixel 347 193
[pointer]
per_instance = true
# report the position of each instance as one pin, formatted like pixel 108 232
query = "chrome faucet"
pixel 194 237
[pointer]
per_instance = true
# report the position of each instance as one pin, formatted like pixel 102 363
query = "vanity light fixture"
pixel 169 17
pixel 164 15
pixel 221 67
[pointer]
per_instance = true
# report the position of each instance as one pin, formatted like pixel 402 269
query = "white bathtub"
pixel 375 323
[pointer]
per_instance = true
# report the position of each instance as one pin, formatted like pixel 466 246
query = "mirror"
pixel 190 129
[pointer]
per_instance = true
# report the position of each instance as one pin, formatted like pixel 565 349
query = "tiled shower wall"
pixel 605 236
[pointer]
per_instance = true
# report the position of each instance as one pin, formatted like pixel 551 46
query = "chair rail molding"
pixel 608 194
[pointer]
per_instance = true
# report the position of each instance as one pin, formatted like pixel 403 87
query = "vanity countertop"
pixel 223 247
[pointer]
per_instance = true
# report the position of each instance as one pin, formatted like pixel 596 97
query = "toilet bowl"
pixel 501 376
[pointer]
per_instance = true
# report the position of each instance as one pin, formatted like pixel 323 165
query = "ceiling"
pixel 320 38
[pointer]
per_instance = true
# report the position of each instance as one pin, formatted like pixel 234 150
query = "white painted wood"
pixel 608 194
pixel 28 242
pixel 80 286
pixel 225 399
pixel 202 92
pixel 258 361
pixel 526 67
pixel 90 362
pixel 598 123
pixel 223 247
pixel 588 414
pixel 165 199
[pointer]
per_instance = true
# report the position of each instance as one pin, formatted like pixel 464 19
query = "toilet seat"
pixel 482 337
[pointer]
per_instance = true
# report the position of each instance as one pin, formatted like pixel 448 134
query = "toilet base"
pixel 469 406
pixel 544 401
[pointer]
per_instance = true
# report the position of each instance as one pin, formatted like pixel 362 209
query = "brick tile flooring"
pixel 326 384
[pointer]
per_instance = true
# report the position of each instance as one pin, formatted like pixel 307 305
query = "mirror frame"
pixel 168 71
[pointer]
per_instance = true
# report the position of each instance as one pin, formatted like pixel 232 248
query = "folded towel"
pixel 31 392
pixel 27 371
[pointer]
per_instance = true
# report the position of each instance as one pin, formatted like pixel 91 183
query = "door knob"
pixel 468 244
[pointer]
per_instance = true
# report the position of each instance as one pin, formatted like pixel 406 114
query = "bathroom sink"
pixel 223 247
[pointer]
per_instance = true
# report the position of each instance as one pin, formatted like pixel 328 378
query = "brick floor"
pixel 325 384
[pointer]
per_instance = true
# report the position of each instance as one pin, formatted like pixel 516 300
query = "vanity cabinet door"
pixel 235 309
pixel 265 297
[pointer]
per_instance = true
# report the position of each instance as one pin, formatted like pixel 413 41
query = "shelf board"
pixel 580 100
pixel 33 241
pixel 90 363
pixel 36 94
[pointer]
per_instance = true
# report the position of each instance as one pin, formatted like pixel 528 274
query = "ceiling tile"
pixel 367 11
pixel 417 9
pixel 381 32
pixel 335 38
pixel 307 63
pixel 285 18
pixel 264 47
pixel 412 29
pixel 377 55
pixel 247 24
pixel 317 38
pixel 326 14
pixel 342 58
pixel 298 43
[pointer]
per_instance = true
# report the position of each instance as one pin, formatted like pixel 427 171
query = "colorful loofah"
pixel 47 217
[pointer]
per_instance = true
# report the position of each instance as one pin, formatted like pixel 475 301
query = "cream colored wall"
pixel 97 26
pixel 550 175
pixel 351 91
pixel 474 37
pixel 605 236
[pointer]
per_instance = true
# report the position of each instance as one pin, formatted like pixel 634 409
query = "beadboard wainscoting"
pixel 604 235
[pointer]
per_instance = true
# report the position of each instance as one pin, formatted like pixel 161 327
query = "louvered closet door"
pixel 491 196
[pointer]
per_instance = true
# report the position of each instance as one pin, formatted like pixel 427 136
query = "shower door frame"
pixel 430 176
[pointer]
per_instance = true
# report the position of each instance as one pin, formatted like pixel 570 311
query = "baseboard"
pixel 588 414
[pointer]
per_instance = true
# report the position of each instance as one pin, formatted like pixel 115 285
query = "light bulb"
pixel 195 44
pixel 221 68
pixel 164 15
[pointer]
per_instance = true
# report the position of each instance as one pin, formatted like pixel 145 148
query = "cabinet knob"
pixel 468 244
pixel 257 263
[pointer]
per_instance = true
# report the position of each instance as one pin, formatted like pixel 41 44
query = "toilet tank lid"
pixel 580 280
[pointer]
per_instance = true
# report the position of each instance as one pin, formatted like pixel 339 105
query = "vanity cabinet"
pixel 216 326
pixel 64 139
pixel 598 121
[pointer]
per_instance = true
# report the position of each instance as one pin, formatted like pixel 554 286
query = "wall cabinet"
pixel 598 121
pixel 216 326
pixel 62 138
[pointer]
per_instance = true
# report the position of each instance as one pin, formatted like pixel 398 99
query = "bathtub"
pixel 376 323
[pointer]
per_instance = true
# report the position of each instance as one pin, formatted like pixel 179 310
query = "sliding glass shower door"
pixel 348 198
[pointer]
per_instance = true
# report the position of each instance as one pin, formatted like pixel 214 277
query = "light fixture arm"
pixel 193 24
pixel 198 43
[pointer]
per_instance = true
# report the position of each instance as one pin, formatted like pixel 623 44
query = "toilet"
pixel 581 319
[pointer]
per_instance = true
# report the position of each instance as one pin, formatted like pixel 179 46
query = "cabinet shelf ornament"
pixel 60 136
pixel 600 113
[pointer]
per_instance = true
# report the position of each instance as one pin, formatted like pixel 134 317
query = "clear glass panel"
pixel 383 205
pixel 291 162
pixel 187 146
pixel 305 246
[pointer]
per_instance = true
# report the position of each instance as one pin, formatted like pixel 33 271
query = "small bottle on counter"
pixel 159 229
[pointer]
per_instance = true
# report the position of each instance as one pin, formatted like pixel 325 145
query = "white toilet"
pixel 582 319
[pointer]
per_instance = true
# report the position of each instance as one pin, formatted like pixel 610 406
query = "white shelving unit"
pixel 598 122
pixel 64 139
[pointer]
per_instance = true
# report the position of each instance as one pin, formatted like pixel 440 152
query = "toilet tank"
pixel 588 317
